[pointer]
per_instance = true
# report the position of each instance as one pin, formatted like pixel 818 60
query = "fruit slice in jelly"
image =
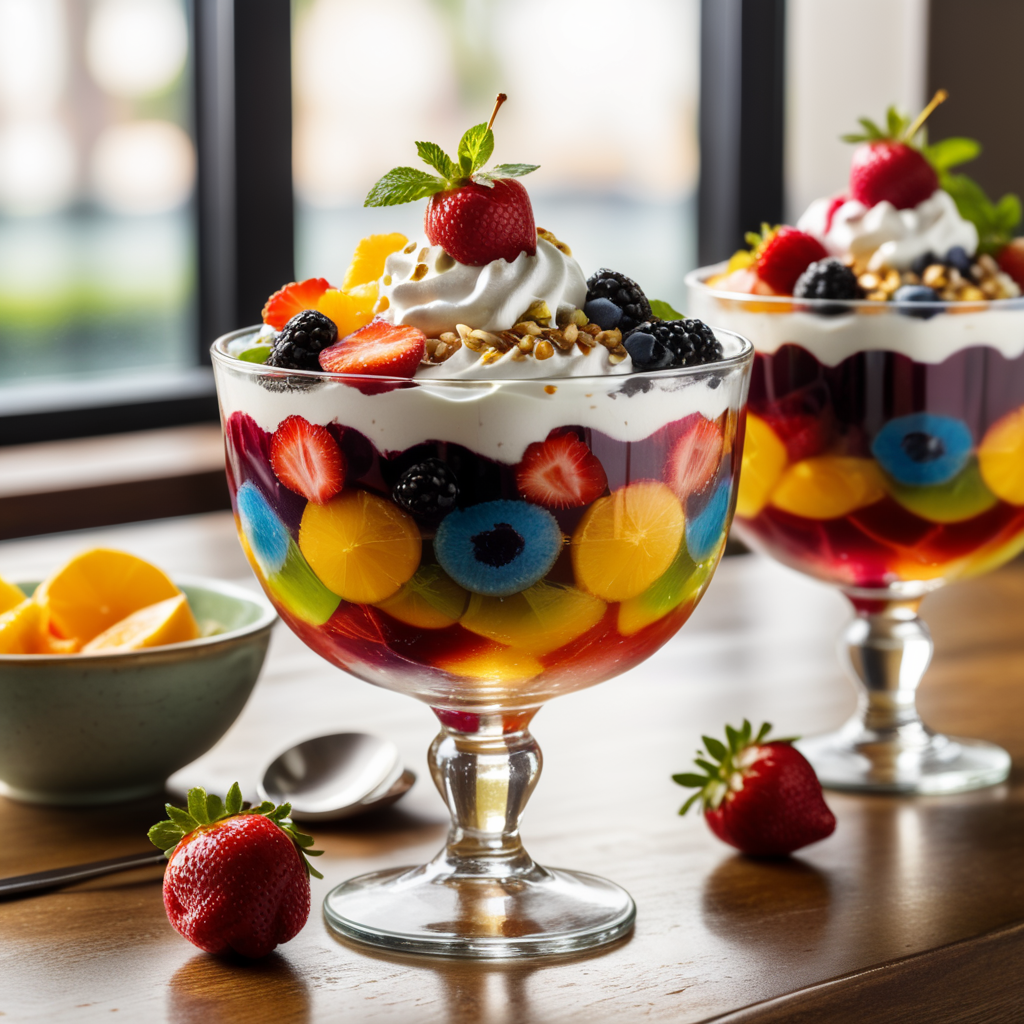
pixel 829 486
pixel 923 448
pixel 625 541
pixel 764 459
pixel 1001 457
pixel 705 530
pixel 430 600
pixel 538 620
pixel 297 588
pixel 963 497
pixel 360 546
pixel 496 664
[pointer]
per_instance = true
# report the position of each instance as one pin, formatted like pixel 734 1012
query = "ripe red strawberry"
pixel 379 349
pixel 784 254
pixel 763 798
pixel 307 459
pixel 560 472
pixel 804 420
pixel 236 879
pixel 695 457
pixel 893 172
pixel 1011 260
pixel 291 299
pixel 476 216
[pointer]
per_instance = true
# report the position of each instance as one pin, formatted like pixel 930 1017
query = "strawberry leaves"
pixel 208 809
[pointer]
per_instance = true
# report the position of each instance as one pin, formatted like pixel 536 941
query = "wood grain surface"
pixel 913 911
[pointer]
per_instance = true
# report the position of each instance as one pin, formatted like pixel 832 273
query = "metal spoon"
pixel 325 778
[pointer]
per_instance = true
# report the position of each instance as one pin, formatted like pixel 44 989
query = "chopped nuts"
pixel 527 327
pixel 610 339
pixel 543 350
pixel 540 312
pixel 934 276
pixel 526 344
pixel 571 331
pixel 869 282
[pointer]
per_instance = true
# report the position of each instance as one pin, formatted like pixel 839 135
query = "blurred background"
pixel 165 164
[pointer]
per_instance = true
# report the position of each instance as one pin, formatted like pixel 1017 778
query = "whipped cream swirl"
pixel 428 289
pixel 895 237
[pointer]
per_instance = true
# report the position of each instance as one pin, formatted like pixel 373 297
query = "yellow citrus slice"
pixel 349 310
pixel 98 588
pixel 430 600
pixel 166 622
pixel 368 260
pixel 495 665
pixel 764 459
pixel 361 547
pixel 10 596
pixel 625 541
pixel 21 629
pixel 829 486
pixel 1001 457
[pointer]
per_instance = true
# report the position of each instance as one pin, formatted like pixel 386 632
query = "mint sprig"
pixel 207 809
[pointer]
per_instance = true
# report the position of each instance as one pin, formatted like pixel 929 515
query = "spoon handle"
pixel 76 873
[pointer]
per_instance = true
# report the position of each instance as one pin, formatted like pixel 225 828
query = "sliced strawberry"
pixel 695 457
pixel 291 299
pixel 379 349
pixel 307 459
pixel 785 255
pixel 834 203
pixel 561 472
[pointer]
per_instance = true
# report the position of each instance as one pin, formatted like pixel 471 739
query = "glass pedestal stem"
pixel 885 747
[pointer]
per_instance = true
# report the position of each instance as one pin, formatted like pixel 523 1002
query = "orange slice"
pixel 166 622
pixel 1001 457
pixel 98 588
pixel 10 596
pixel 430 600
pixel 494 665
pixel 361 547
pixel 625 541
pixel 764 459
pixel 829 486
pixel 368 260
pixel 350 310
pixel 20 629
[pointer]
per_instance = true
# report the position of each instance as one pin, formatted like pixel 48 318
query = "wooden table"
pixel 913 911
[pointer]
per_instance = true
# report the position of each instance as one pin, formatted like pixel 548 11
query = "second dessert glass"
pixel 429 572
pixel 884 455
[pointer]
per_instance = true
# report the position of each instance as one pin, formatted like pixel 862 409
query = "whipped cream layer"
pixel 869 327
pixel 428 289
pixel 896 237
pixel 495 418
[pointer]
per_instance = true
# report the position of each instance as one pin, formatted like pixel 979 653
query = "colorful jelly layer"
pixel 882 469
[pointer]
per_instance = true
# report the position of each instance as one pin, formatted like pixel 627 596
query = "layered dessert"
pixel 885 440
pixel 470 472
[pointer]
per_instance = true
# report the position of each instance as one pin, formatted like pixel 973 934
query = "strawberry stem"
pixel 497 106
pixel 940 97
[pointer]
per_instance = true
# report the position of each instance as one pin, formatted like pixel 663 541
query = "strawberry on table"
pixel 307 459
pixel 761 797
pixel 379 349
pixel 560 472
pixel 236 879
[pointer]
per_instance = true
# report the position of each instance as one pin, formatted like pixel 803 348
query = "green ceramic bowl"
pixel 100 728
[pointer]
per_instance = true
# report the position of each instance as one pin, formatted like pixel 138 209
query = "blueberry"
pixel 957 257
pixel 917 293
pixel 923 448
pixel 498 548
pixel 647 352
pixel 267 536
pixel 922 262
pixel 704 531
pixel 604 313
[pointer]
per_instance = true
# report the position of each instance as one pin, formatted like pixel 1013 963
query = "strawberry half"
pixel 784 254
pixel 291 299
pixel 307 459
pixel 1011 260
pixel 695 457
pixel 379 349
pixel 560 472
pixel 236 879
pixel 763 798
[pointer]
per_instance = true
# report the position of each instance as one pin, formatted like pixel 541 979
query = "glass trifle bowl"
pixel 481 603
pixel 885 456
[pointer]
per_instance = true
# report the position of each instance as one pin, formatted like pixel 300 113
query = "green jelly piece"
pixel 297 587
pixel 963 497
pixel 430 600
pixel 256 354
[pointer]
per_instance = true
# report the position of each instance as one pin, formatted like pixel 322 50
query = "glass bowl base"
pixel 430 910
pixel 873 764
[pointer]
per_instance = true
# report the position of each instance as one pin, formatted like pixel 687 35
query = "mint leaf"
pixel 995 222
pixel 513 170
pixel 256 354
pixel 403 185
pixel 1008 213
pixel 948 153
pixel 664 311
pixel 483 178
pixel 475 148
pixel 433 155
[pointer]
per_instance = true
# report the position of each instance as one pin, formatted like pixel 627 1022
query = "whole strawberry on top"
pixel 761 797
pixel 236 879
pixel 476 216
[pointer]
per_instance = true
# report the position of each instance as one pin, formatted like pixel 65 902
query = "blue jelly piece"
pixel 498 548
pixel 923 448
pixel 604 313
pixel 704 531
pixel 267 536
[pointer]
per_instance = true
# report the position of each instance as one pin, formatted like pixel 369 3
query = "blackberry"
pixel 428 489
pixel 624 293
pixel 659 344
pixel 301 341
pixel 828 279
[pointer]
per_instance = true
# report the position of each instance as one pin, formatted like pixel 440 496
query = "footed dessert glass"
pixel 486 545
pixel 884 455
